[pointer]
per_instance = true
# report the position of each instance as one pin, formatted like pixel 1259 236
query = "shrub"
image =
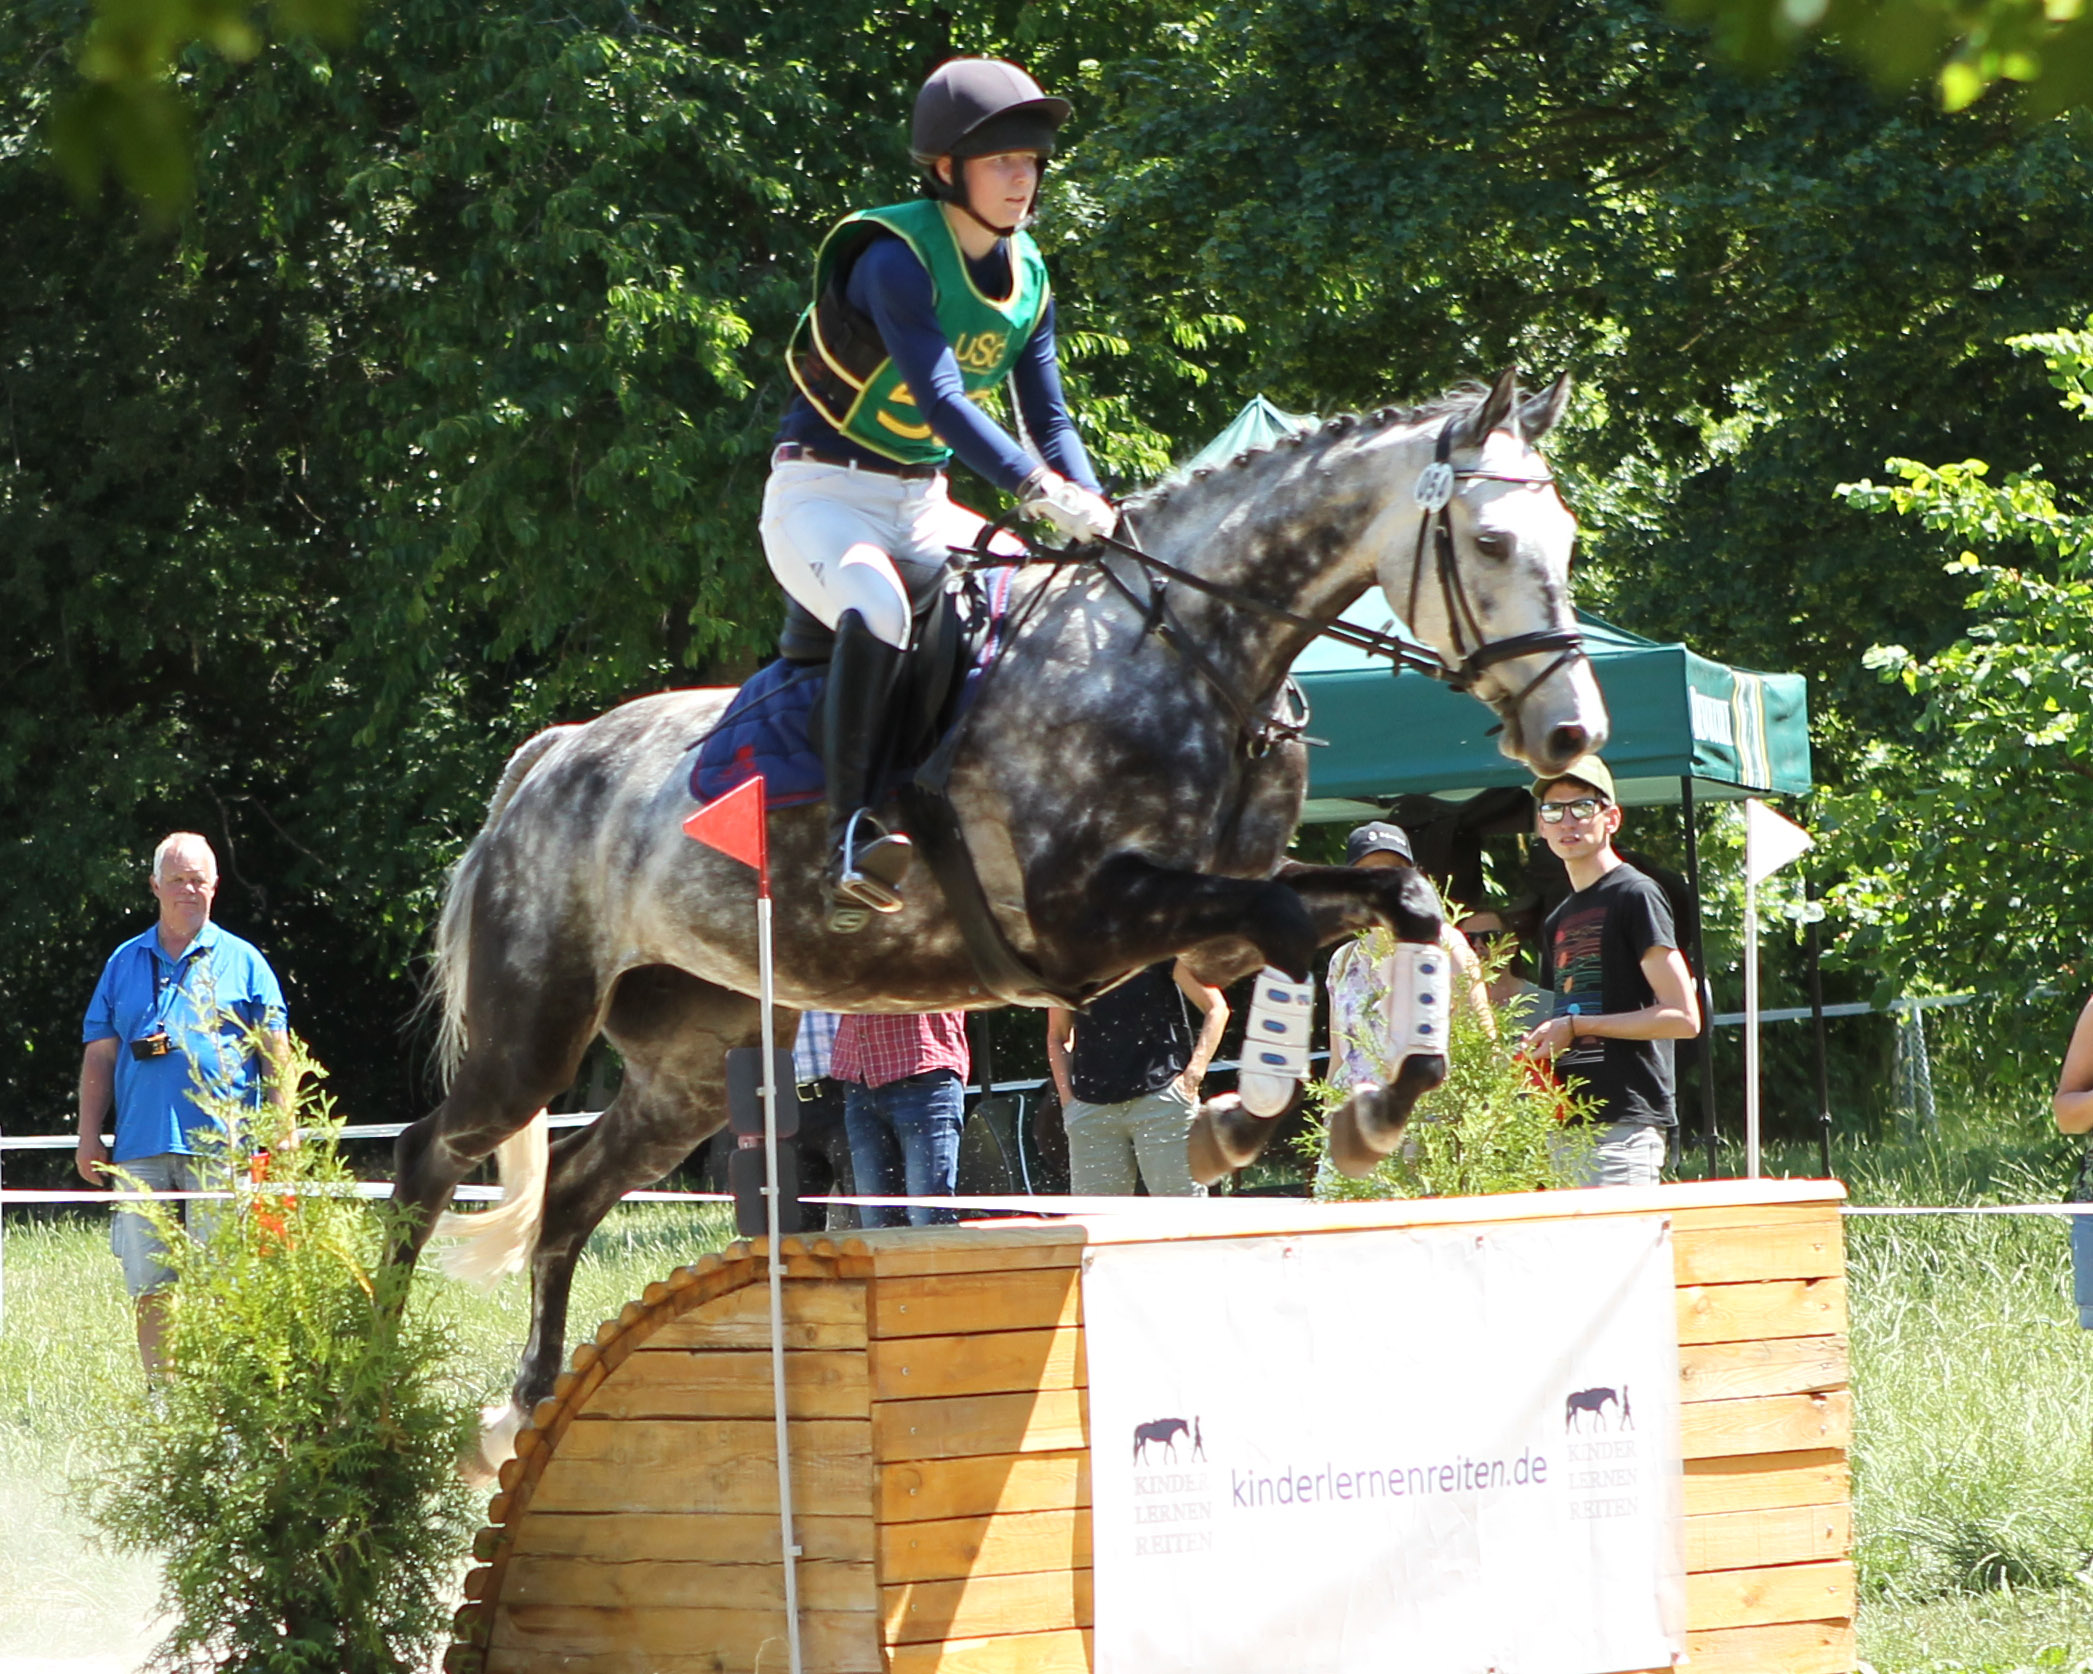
pixel 296 1468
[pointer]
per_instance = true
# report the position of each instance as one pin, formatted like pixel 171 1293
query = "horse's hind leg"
pixel 674 1032
pixel 508 1075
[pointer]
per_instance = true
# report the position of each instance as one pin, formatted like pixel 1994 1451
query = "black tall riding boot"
pixel 870 863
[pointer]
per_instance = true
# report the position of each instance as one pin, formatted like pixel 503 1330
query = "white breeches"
pixel 841 539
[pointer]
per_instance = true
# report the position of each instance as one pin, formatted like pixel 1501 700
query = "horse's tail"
pixel 445 994
pixel 498 1241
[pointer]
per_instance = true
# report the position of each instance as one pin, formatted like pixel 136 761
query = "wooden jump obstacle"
pixel 936 1390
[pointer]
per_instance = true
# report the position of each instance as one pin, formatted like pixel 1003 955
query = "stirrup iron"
pixel 870 875
pixel 1275 1042
pixel 1414 1009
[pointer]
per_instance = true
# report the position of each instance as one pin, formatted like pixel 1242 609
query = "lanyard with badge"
pixel 155 1042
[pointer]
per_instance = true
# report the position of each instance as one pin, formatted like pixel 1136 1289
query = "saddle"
pixel 773 726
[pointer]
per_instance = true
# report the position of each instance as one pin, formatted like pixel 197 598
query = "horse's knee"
pixel 1409 907
pixel 1284 930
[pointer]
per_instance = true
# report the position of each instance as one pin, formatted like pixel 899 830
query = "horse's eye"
pixel 1494 543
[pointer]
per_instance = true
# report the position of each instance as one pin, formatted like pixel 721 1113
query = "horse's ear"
pixel 1538 413
pixel 1496 408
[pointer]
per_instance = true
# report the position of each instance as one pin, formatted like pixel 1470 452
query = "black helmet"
pixel 976 107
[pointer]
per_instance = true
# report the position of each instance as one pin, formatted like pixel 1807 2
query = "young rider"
pixel 920 309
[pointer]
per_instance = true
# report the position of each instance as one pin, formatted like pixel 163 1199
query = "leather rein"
pixel 1433 492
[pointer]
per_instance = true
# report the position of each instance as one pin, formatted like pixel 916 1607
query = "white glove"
pixel 1068 506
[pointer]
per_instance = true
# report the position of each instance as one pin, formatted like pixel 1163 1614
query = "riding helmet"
pixel 977 107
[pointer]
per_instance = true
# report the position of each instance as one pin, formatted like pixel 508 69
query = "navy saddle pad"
pixel 765 727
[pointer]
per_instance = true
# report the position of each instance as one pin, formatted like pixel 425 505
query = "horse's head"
pixel 1477 557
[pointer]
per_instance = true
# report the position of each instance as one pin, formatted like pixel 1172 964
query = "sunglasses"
pixel 1583 807
pixel 1483 938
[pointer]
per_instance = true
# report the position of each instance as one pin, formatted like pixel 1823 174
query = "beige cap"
pixel 1586 770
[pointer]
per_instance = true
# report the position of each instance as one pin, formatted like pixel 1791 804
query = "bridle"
pixel 1433 492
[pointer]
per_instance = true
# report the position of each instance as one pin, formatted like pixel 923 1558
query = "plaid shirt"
pixel 815 1046
pixel 876 1048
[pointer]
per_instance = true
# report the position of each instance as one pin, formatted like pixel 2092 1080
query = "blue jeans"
pixel 904 1142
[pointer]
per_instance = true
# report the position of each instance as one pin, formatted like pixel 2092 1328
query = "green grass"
pixel 66 1344
pixel 1973 1461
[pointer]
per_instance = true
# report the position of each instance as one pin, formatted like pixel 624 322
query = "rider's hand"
pixel 1068 506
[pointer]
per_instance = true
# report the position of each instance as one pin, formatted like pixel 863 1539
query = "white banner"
pixel 1447 1450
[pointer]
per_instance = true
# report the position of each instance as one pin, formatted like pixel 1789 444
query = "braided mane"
pixel 1457 402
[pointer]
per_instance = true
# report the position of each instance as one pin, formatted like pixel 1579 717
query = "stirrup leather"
pixel 1275 1042
pixel 1415 1007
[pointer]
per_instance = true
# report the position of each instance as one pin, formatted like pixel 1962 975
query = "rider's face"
pixel 1001 188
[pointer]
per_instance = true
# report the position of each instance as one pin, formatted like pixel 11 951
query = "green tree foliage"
pixel 296 1472
pixel 1966 48
pixel 127 114
pixel 1766 286
pixel 1966 843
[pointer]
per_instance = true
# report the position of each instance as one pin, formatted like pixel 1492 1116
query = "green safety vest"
pixel 840 364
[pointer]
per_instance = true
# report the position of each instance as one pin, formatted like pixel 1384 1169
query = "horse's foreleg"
pixel 1341 899
pixel 1145 913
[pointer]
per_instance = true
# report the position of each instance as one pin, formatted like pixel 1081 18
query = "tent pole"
pixel 1817 1023
pixel 1706 996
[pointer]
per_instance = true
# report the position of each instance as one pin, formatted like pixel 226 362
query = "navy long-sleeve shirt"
pixel 890 286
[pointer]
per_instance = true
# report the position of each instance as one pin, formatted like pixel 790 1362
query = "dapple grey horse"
pixel 1117 801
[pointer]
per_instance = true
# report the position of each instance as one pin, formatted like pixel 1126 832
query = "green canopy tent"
pixel 1684 726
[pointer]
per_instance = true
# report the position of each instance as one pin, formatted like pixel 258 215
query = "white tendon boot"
pixel 1275 1042
pixel 1415 1008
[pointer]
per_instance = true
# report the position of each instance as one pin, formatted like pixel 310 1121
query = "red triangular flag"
pixel 734 825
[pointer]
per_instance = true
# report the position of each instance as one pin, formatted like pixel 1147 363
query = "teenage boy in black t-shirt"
pixel 1622 992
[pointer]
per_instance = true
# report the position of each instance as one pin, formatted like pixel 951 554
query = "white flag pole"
pixel 1770 842
pixel 787 1536
pixel 1751 1002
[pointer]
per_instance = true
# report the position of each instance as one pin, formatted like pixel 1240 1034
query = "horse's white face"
pixel 1507 578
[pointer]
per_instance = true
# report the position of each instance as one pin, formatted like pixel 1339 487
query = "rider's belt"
pixel 786 452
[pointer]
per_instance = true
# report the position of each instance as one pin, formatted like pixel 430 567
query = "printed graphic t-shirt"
pixel 1591 957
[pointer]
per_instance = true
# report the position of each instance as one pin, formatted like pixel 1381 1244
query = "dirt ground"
pixel 67 1607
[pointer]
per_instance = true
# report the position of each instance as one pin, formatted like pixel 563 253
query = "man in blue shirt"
pixel 183 1013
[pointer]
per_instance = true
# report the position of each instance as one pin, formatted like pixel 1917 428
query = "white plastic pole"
pixel 787 1539
pixel 1751 1017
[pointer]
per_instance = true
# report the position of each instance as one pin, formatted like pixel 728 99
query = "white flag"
pixel 1770 841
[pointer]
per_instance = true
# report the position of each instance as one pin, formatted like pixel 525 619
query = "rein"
pixel 1433 493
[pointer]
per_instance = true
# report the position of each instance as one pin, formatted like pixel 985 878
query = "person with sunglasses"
pixel 1490 935
pixel 1621 989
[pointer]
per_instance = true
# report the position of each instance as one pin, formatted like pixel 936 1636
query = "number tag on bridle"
pixel 1434 486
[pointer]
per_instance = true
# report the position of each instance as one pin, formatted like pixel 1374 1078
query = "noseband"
pixel 1434 494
